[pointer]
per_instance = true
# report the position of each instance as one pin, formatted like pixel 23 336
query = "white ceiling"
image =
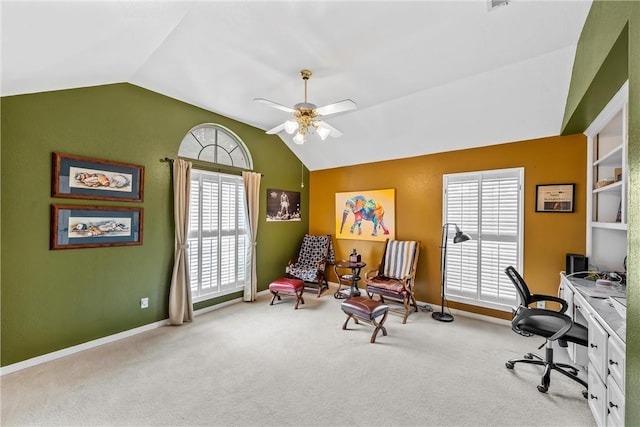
pixel 428 76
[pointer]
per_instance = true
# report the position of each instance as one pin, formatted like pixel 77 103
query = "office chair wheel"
pixel 509 365
pixel 542 389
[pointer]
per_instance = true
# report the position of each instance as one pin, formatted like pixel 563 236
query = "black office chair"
pixel 552 325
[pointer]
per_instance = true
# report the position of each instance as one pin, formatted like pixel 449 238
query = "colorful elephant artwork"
pixel 363 209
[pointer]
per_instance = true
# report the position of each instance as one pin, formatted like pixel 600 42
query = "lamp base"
pixel 442 317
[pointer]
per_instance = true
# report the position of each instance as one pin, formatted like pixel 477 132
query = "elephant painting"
pixel 364 210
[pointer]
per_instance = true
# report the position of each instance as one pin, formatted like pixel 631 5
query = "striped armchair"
pixel 396 275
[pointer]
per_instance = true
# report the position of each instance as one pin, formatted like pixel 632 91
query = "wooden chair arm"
pixel 321 265
pixel 371 274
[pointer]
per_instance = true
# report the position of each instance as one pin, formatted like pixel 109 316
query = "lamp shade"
pixel 323 132
pixel 460 236
pixel 290 126
pixel 299 138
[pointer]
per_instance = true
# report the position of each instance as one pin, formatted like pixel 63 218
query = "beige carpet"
pixel 255 364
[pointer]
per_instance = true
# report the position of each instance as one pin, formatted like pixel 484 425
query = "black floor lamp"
pixel 458 238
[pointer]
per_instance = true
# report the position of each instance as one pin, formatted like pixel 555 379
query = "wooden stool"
pixel 366 310
pixel 287 286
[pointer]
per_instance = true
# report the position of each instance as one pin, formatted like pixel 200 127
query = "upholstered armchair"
pixel 316 253
pixel 395 276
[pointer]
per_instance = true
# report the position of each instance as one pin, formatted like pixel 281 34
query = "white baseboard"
pixel 105 340
pixel 5 370
pixel 80 347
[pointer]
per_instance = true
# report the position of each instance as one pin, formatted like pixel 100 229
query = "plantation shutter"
pixel 487 206
pixel 218 241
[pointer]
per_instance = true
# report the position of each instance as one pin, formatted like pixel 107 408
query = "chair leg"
pixel 549 366
pixel 299 298
pixel 349 316
pixel 322 287
pixel 379 326
pixel 275 294
pixel 407 308
pixel 415 303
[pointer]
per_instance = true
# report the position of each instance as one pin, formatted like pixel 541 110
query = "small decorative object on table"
pixel 354 257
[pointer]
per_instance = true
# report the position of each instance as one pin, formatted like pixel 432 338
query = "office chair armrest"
pixel 563 303
pixel 526 312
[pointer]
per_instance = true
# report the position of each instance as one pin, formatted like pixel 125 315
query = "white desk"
pixel 605 354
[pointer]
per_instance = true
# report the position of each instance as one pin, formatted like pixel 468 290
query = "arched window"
pixel 218 237
pixel 215 144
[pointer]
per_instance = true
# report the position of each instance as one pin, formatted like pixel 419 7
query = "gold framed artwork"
pixel 365 215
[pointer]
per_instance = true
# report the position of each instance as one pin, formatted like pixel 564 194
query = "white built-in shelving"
pixel 607 182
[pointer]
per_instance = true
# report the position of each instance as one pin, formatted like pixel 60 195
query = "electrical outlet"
pixel 540 304
pixel 144 303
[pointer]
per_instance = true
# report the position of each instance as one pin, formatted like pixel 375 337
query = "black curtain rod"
pixel 209 167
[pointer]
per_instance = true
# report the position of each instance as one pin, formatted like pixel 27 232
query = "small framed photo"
pixel 87 178
pixel 80 226
pixel 555 198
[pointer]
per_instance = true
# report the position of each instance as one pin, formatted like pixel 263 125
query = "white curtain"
pixel 252 189
pixel 180 306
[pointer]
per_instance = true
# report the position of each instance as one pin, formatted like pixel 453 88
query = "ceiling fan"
pixel 307 117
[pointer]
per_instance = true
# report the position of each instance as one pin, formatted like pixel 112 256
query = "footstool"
pixel 366 310
pixel 289 287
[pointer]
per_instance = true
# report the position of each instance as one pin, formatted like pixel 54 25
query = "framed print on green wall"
pixel 88 178
pixel 80 226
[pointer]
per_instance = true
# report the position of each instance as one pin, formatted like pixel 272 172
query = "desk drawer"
pixel 616 361
pixel 597 347
pixel 615 404
pixel 597 396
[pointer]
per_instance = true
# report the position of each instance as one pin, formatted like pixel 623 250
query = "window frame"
pixel 219 233
pixel 480 239
pixel 210 148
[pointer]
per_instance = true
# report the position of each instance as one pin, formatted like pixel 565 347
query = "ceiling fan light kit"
pixel 306 120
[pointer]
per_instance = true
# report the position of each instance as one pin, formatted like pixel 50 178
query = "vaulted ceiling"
pixel 427 76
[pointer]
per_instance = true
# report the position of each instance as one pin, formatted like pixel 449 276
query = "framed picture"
pixel 283 205
pixel 555 198
pixel 79 226
pixel 365 215
pixel 86 178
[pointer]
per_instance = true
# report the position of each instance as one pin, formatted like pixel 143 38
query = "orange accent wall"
pixel 418 184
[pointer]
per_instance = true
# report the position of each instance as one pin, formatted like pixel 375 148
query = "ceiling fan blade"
pixel 332 131
pixel 274 105
pixel 276 129
pixel 338 107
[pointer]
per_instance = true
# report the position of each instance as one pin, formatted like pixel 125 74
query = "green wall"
pixel 608 53
pixel 51 300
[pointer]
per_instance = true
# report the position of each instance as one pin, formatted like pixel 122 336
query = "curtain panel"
pixel 180 305
pixel 252 190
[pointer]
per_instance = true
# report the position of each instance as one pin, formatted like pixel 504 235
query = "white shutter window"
pixel 217 235
pixel 488 206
